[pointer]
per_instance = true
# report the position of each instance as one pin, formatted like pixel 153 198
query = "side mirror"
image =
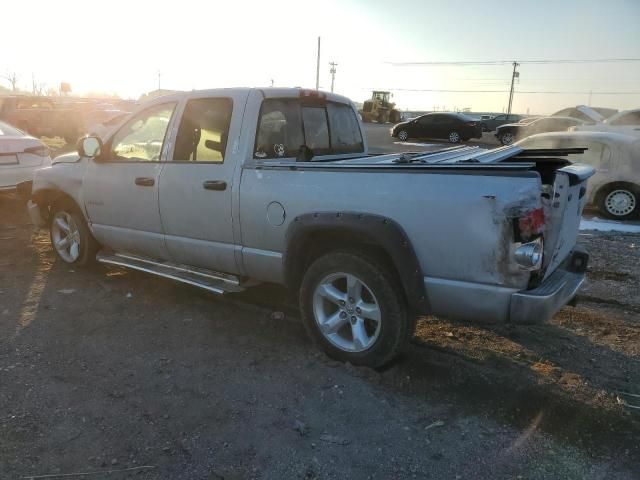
pixel 89 146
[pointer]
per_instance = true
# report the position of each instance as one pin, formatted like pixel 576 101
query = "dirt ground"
pixel 108 370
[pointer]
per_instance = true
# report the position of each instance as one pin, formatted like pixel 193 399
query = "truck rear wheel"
pixel 352 309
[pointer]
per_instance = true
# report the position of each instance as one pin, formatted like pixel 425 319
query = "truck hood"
pixel 71 157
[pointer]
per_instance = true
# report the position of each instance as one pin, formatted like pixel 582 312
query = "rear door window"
pixel 204 129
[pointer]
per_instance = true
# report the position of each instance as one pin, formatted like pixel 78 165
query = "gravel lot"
pixel 108 370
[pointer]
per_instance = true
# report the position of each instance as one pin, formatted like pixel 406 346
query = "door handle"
pixel 215 185
pixel 145 181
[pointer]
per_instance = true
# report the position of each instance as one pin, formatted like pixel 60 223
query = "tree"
pixel 13 80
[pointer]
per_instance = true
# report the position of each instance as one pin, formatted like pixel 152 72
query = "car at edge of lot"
pixel 20 156
pixel 615 188
pixel 589 115
pixel 626 122
pixel 512 132
pixel 502 119
pixel 454 127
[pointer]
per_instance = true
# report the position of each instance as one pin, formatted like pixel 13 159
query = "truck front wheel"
pixel 70 235
pixel 352 308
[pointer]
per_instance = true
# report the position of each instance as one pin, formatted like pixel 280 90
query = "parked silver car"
pixel 615 188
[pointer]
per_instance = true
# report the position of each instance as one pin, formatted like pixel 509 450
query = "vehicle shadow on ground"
pixel 522 373
pixel 516 373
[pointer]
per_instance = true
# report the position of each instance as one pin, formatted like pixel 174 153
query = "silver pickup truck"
pixel 227 188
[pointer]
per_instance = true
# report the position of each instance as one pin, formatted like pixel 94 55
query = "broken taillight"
pixel 531 225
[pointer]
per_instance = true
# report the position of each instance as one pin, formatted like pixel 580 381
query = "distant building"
pixel 156 93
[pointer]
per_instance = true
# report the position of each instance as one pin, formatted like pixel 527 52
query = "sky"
pixel 120 46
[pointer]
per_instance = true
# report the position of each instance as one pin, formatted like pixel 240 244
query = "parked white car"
pixel 586 114
pixel 20 155
pixel 615 188
pixel 626 122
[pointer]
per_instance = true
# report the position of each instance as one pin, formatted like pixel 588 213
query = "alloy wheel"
pixel 347 312
pixel 65 236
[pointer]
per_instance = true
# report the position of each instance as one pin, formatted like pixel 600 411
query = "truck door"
pixel 197 183
pixel 121 185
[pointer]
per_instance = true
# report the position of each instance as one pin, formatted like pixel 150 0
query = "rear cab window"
pixel 286 124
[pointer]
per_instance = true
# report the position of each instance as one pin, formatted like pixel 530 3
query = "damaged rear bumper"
pixel 560 288
pixel 496 304
pixel 540 304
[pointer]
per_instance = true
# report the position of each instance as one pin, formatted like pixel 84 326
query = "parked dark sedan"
pixel 507 134
pixel 491 124
pixel 451 126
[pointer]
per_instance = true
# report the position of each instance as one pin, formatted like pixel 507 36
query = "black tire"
pixel 88 244
pixel 403 135
pixel 454 137
pixel 507 138
pixel 396 326
pixel 628 190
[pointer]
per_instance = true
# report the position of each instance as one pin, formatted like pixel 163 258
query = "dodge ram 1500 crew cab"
pixel 226 188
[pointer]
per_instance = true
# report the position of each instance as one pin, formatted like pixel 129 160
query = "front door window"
pixel 142 137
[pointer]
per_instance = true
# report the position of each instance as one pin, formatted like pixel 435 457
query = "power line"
pixel 510 62
pixel 506 91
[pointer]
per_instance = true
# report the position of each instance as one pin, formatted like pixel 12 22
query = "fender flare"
pixel 365 228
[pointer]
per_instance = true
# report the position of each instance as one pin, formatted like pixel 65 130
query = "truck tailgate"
pixel 562 214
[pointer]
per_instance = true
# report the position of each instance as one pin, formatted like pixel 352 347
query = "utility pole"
pixel 590 93
pixel 159 75
pixel 318 67
pixel 332 71
pixel 514 75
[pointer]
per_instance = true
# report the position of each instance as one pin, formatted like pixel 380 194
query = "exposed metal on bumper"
pixel 540 304
pixel 35 213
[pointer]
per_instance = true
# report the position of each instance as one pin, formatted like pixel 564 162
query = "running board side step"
pixel 209 280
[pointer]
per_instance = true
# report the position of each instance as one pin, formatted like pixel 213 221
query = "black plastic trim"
pixel 366 228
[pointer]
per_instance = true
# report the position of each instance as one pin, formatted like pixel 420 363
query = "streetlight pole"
pixel 332 71
pixel 318 67
pixel 514 75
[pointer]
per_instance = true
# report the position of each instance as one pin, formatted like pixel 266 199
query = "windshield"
pixel 8 130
